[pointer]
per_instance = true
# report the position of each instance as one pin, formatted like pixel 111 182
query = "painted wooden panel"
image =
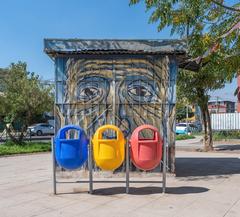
pixel 127 92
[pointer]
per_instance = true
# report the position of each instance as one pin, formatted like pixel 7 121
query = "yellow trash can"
pixel 108 153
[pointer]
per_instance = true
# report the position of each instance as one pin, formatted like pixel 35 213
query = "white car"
pixel 41 129
pixel 182 128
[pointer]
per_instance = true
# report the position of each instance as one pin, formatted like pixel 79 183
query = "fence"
pixel 225 121
pixel 26 136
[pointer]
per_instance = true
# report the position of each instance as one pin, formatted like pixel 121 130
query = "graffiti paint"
pixel 123 91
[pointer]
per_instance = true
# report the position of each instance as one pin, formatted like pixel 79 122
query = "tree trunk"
pixel 207 139
pixel 9 133
pixel 208 145
pixel 18 139
pixel 21 136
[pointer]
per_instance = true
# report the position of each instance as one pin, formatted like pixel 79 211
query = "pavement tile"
pixel 26 191
pixel 23 210
pixel 234 211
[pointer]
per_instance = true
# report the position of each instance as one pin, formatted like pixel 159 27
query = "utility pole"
pixel 217 104
pixel 187 116
pixel 238 94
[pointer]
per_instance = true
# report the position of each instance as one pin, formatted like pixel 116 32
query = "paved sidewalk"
pixel 197 144
pixel 189 144
pixel 207 185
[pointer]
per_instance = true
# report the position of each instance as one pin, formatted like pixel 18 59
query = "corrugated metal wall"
pixel 225 121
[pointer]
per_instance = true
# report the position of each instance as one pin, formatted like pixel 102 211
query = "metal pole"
pixel 54 167
pixel 127 166
pixel 30 135
pixel 217 104
pixel 114 93
pixel 164 167
pixel 187 118
pixel 55 125
pixel 90 151
pixel 165 146
pixel 90 167
pixel 112 181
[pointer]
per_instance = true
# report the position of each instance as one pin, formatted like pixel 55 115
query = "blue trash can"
pixel 71 153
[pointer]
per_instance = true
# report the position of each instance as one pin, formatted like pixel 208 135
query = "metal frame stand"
pixel 164 170
pixel 127 166
pixel 128 181
pixel 54 167
pixel 90 168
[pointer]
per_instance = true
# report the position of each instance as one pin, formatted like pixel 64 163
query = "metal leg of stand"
pixel 127 167
pixel 90 169
pixel 165 145
pixel 164 167
pixel 54 167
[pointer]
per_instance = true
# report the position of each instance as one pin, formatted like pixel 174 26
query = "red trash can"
pixel 146 153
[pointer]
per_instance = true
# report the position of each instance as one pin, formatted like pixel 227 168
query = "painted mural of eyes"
pixel 94 88
pixel 89 93
pixel 140 90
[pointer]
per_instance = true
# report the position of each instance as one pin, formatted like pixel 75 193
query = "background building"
pixel 221 106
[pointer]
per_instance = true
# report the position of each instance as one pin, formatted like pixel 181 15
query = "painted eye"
pixel 88 93
pixel 139 91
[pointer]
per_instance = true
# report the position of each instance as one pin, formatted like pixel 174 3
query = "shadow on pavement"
pixel 186 167
pixel 227 147
pixel 150 190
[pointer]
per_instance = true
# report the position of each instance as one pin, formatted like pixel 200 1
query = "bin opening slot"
pixel 72 134
pixel 109 134
pixel 146 134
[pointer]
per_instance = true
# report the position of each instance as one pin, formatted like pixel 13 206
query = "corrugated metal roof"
pixel 68 46
pixel 220 100
pixel 57 47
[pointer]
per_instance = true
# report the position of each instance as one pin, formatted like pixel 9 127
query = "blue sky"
pixel 24 24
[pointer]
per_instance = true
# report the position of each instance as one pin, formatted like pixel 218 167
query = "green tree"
pixel 3 74
pixel 181 112
pixel 24 98
pixel 211 30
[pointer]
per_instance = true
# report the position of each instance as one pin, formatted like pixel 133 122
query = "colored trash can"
pixel 71 153
pixel 146 153
pixel 109 153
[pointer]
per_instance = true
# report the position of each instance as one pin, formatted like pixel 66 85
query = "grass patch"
pixel 184 137
pixel 198 133
pixel 226 135
pixel 9 148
